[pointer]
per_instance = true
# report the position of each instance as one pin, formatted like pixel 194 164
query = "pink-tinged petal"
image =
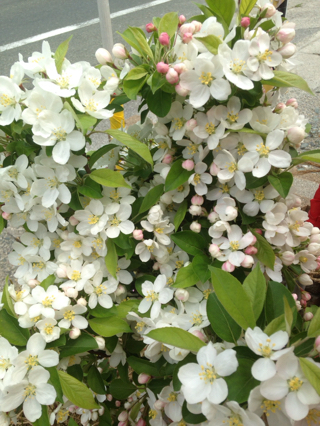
pixel 263 369
pixel 236 258
pixel 246 240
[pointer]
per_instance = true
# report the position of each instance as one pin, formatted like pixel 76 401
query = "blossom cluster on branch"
pixel 160 280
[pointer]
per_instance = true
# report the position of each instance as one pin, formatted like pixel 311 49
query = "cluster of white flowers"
pixel 101 257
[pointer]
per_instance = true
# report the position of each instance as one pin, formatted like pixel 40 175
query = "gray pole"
pixel 105 24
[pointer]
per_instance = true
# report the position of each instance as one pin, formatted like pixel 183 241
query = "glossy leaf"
pixel 282 183
pixel 111 259
pixel 211 42
pixel 60 54
pixel 246 6
pixel 312 373
pixel 108 327
pixel 7 300
pixel 83 343
pixel 265 252
pixel 186 277
pixel 177 176
pixel 314 327
pixel 241 382
pixel 10 329
pixel 46 283
pixel 151 198
pixel 288 79
pixel 77 392
pixel 177 337
pixel 189 242
pixel 180 215
pixel 99 153
pixel 109 178
pixel 255 287
pixel 169 24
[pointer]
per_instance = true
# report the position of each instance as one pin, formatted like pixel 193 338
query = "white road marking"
pixel 74 27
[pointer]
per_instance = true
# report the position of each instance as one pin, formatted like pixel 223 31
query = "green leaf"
pixel 140 148
pixel 305 348
pixel 152 197
pixel 186 277
pixel 274 306
pixel 246 6
pixel 7 300
pixel 312 373
pixel 177 176
pixel 55 382
pixel 133 87
pixel 307 156
pixel 288 79
pixel 143 366
pixel 314 327
pixel 177 337
pixel 200 266
pixel 101 312
pixel 180 215
pixel 137 73
pixel 10 329
pixel 77 392
pixel 241 382
pixel 46 283
pixel 255 287
pixel 137 39
pixel 282 183
pixel 288 315
pixel 189 242
pixel 95 381
pixel 61 341
pixel 126 306
pixel 111 259
pixel 221 322
pixel 265 252
pixel 87 122
pixel 99 153
pixel 109 178
pixel 83 343
pixel 60 54
pixel 90 189
pixel 121 390
pixel 275 325
pixel 211 42
pixel 108 327
pixel 44 419
pixel 233 297
pixel 72 422
pixel 169 24
pixel 254 182
pixel 223 8
pixel 159 102
pixel 157 81
pixel 2 224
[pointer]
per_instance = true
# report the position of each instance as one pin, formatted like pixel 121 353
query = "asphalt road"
pixel 20 19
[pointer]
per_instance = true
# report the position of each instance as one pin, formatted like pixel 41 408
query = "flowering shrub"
pixel 155 274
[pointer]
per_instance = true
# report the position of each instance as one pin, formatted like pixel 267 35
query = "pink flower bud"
pixel 162 68
pixel 103 56
pixel 287 50
pixel 120 290
pixel 164 39
pixel 143 378
pixel 123 416
pixel 159 405
pixel 82 301
pixel 71 292
pixel 187 37
pixel 195 210
pixel 305 295
pixel 182 19
pixel 247 262
pixel 137 234
pixel 213 217
pixel 214 169
pixel 61 271
pixel 188 165
pixel 197 200
pixel 251 250
pixel 150 28
pixel 258 231
pixel 303 303
pixel 315 238
pixel 101 342
pixel 245 21
pixel 156 266
pixel 228 267
pixel 197 25
pixel 118 403
pixel 167 159
pixel 279 107
pixel 182 294
pixel 304 279
pixel 182 91
pixel 271 10
pixel 195 227
pixel 123 423
pixel 296 135
pixel 254 240
pixel 292 102
pixel 187 28
pixel 180 68
pixel 172 76
pixel 214 250
pixel 308 316
pixel 287 258
pixel 295 296
pixel 109 397
pixel 119 51
pixel 6 215
pixel 33 283
pixel 314 248
pixel 285 35
pixel 200 335
pixel 73 221
pixel 141 422
pixel 317 344
pixel 191 124
pixel 74 333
